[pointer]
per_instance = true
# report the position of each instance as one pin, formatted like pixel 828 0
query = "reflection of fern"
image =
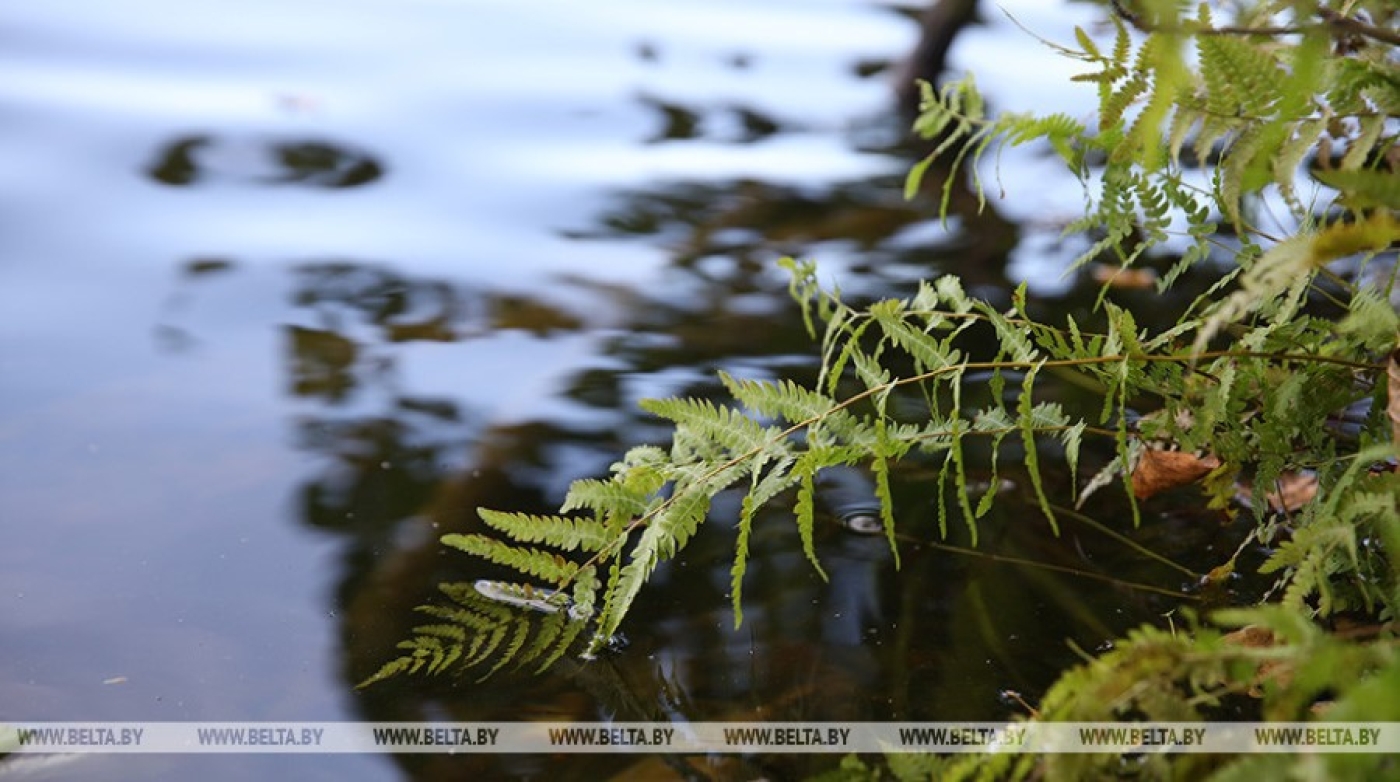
pixel 480 623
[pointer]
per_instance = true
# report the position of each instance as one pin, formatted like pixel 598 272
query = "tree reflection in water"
pixel 317 163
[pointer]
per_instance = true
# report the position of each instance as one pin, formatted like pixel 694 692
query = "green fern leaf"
pixel 569 534
pixel 487 643
pixel 998 424
pixel 708 423
pixel 804 511
pixel 1242 78
pixel 1363 189
pixel 1087 44
pixel 666 532
pixel 1112 108
pixel 1290 156
pixel 880 468
pixel 1032 417
pixel 954 461
pixel 774 481
pixel 741 558
pixel 541 564
pixel 786 400
pixel 925 350
pixel 1072 438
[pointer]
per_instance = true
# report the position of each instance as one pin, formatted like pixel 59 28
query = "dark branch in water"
pixel 938 27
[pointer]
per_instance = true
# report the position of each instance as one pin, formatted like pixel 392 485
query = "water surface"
pixel 288 289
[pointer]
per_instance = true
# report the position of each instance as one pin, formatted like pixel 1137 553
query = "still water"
pixel 288 289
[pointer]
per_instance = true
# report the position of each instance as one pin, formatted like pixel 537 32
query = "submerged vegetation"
pixel 1261 145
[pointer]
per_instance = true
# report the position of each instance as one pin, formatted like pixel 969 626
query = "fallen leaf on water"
pixel 1157 471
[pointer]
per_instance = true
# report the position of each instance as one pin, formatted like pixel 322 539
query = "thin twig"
pixel 1330 20
pixel 1059 569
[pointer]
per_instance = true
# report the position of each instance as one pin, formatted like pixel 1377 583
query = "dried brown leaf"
pixel 1292 491
pixel 1289 493
pixel 1255 637
pixel 1123 278
pixel 1250 637
pixel 1157 471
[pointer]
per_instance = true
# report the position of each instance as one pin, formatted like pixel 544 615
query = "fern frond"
pixel 927 353
pixel 666 531
pixel 1247 169
pixel 1117 101
pixel 706 422
pixel 786 400
pixel 1290 264
pixel 1242 78
pixel 1071 438
pixel 1031 418
pixel 804 510
pixel 953 461
pixel 486 644
pixel 540 564
pixel 1012 338
pixel 1364 189
pixel 880 468
pixel 1289 157
pixel 773 481
pixel 1061 131
pixel 562 532
pixel 1185 117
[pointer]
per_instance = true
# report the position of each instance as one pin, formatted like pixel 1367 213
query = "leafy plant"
pixel 1251 98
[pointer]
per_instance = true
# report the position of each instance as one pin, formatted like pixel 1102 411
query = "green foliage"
pixel 911 378
pixel 1262 103
pixel 1158 675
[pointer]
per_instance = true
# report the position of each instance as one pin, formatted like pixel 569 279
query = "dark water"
pixel 287 290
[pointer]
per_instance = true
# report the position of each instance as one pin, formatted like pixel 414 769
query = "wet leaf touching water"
pixel 1157 471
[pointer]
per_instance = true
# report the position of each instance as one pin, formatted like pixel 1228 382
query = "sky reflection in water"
pixel 287 289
